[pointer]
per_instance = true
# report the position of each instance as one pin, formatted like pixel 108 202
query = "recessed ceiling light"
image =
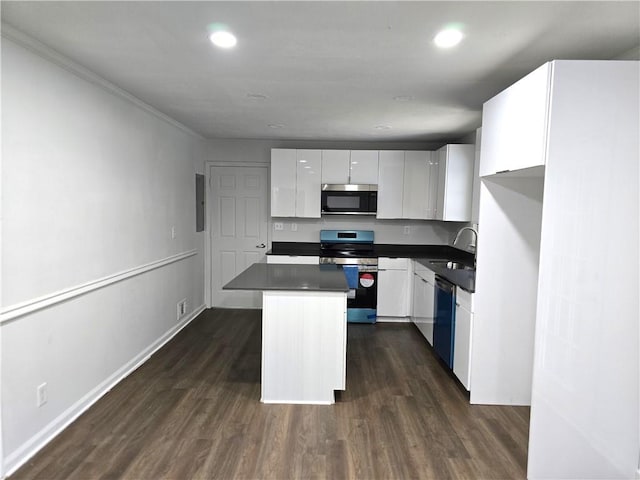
pixel 276 125
pixel 382 127
pixel 223 39
pixel 449 37
pixel 403 98
pixel 256 96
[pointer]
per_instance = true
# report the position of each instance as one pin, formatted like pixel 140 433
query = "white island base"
pixel 304 346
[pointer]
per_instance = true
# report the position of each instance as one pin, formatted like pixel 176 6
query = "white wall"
pixel 506 285
pixel 92 184
pixel 387 231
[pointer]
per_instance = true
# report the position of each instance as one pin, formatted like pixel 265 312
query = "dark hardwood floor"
pixel 193 411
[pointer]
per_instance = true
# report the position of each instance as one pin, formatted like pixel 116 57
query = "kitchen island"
pixel 304 330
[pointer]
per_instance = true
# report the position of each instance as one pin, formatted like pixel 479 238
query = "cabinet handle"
pixel 262 245
pixel 504 171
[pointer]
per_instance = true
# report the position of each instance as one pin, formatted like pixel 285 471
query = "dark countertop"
pixel 265 276
pixel 464 279
pixel 442 252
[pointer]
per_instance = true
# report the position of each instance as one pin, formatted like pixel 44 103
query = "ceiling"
pixel 355 71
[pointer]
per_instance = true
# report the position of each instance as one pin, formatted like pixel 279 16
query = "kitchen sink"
pixel 452 265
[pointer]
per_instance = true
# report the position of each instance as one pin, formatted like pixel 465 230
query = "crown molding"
pixel 11 33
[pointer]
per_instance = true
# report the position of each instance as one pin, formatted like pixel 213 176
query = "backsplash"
pixel 386 231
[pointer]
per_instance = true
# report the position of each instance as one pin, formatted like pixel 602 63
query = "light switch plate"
pixel 278 226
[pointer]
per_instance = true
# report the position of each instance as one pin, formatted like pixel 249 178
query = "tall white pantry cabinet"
pixel 558 262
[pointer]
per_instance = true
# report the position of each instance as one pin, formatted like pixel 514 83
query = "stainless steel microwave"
pixel 349 199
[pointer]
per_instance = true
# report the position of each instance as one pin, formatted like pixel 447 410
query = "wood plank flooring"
pixel 193 411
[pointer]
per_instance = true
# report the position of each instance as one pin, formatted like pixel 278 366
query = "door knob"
pixel 262 245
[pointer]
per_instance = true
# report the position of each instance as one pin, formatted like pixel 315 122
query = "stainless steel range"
pixel 354 250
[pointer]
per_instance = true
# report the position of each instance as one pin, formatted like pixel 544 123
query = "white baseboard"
pixel 392 319
pixel 32 446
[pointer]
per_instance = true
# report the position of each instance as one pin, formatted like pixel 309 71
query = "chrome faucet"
pixel 472 245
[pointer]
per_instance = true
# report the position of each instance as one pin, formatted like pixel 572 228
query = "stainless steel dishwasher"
pixel 445 320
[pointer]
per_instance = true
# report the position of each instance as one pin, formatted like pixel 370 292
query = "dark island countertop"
pixel 425 254
pixel 265 276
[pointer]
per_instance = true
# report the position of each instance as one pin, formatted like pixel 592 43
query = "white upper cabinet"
pixel 432 187
pixel 283 182
pixel 416 194
pixel 335 166
pixel 408 184
pixel 514 125
pixel 295 183
pixel 308 177
pixel 364 167
pixel 390 184
pixel 417 185
pixel 455 182
pixel 350 166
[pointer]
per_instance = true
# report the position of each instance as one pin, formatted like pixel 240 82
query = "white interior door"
pixel 239 230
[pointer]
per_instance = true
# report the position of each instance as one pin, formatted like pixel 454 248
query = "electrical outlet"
pixel 181 308
pixel 278 226
pixel 41 393
pixel 407 229
pixel 294 227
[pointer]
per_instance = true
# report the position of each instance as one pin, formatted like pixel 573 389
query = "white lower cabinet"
pixel 463 335
pixel 393 287
pixel 295 259
pixel 423 300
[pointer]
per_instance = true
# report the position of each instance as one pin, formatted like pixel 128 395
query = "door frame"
pixel 208 238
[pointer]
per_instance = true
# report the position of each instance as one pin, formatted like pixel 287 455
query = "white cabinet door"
pixel 283 182
pixel 462 340
pixel 390 184
pixel 432 187
pixel 415 194
pixel 455 183
pixel 392 293
pixel 514 124
pixel 423 305
pixel 364 167
pixel 308 187
pixel 393 287
pixel 429 310
pixel 294 259
pixel 335 166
